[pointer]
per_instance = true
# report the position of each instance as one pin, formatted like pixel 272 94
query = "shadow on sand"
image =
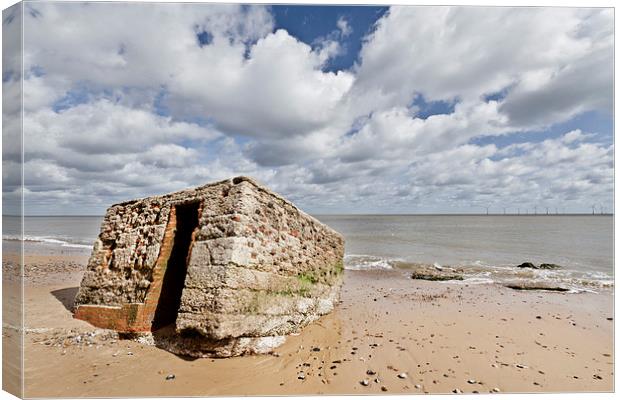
pixel 66 296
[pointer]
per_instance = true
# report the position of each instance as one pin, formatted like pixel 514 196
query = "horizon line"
pixel 374 214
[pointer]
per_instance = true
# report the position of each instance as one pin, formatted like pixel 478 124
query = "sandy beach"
pixel 390 334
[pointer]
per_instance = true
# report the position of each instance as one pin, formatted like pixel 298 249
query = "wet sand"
pixel 398 334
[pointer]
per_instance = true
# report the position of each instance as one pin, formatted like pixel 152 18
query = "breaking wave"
pixel 361 262
pixel 478 272
pixel 49 240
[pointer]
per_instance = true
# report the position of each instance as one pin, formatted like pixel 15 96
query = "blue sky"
pixel 311 23
pixel 342 109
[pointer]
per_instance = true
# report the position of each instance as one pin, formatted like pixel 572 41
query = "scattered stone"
pixel 316 349
pixel 384 389
pixel 170 377
pixel 521 366
pixel 402 375
pixel 495 390
pixel 597 377
pixel 301 376
pixel 417 386
pixel 472 381
pixel 370 372
pixel 538 317
pixel 457 391
pixel 364 382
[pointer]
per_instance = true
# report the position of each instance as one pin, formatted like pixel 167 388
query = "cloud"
pixel 127 100
pixel 251 81
pixel 523 175
pixel 555 63
pixel 344 27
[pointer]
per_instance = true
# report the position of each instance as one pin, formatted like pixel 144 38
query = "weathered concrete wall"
pixel 259 268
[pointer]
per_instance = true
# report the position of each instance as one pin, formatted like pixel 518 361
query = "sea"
pixel 486 249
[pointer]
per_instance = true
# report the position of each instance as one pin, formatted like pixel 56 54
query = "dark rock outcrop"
pixel 541 266
pixel 549 266
pixel 430 273
pixel 534 286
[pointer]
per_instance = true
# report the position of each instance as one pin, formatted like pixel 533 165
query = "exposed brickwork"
pixel 134 317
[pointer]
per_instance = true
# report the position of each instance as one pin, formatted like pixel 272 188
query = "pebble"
pixel 316 349
pixel 364 382
pixel 301 376
pixel 402 375
pixel 457 391
pixel 521 366
pixel 598 377
pixel 471 381
pixel 495 390
pixel 170 377
pixel 383 389
pixel 417 386
pixel 370 372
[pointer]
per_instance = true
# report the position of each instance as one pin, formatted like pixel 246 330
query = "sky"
pixel 341 109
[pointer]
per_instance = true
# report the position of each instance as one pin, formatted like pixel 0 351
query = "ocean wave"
pixel 478 272
pixel 360 262
pixel 47 240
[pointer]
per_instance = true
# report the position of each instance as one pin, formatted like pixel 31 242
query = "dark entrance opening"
pixel 176 270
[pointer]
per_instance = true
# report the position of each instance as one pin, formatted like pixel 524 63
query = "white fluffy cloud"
pixel 536 54
pixel 125 100
pixel 248 79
